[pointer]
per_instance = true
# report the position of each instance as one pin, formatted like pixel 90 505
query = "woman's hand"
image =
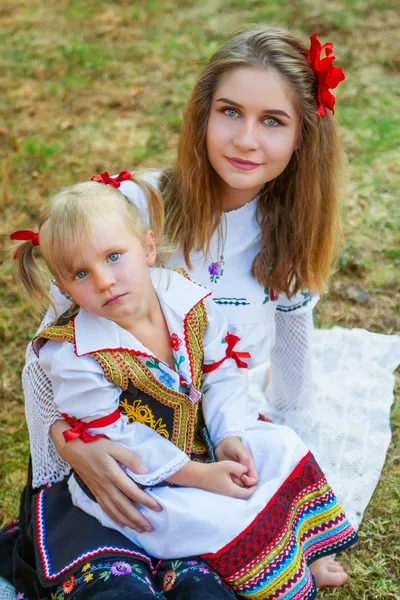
pixel 97 464
pixel 231 448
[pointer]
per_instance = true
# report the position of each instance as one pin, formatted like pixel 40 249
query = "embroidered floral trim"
pixel 176 342
pixel 270 295
pixel 216 269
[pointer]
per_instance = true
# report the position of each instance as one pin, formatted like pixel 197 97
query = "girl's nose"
pixel 103 280
pixel 246 137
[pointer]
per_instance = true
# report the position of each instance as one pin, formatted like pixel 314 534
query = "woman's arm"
pixel 98 464
pixel 291 381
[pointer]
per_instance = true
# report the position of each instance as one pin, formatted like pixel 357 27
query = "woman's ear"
pixel 150 249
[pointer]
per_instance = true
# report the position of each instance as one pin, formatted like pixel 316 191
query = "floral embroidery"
pixel 169 580
pixel 204 570
pixel 68 584
pixel 19 596
pixel 85 567
pixel 270 295
pixel 121 568
pixel 88 577
pixel 166 379
pixel 216 270
pixel 141 413
pixel 176 342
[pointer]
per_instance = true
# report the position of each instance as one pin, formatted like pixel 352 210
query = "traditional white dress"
pixel 256 545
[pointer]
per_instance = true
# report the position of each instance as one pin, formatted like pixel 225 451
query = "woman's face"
pixel 252 131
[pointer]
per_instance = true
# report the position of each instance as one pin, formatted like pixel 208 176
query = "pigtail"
pixel 155 204
pixel 29 274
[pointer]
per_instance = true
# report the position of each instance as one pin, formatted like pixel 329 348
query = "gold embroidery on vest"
pixel 141 413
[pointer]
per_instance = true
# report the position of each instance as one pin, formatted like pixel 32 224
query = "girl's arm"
pixel 225 387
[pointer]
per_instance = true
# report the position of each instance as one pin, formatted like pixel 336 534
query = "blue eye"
pixel 114 257
pixel 230 112
pixel 271 122
pixel 80 275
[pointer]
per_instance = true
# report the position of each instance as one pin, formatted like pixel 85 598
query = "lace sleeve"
pixel 40 413
pixel 291 384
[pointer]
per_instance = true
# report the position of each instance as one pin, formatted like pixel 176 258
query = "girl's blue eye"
pixel 230 112
pixel 114 256
pixel 271 122
pixel 80 274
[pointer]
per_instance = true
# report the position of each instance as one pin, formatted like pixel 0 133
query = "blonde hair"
pixel 298 211
pixel 67 218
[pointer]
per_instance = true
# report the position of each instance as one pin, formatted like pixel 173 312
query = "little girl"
pixel 144 358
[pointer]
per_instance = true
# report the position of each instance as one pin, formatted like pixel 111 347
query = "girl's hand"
pixel 226 478
pixel 219 478
pixel 97 464
pixel 231 448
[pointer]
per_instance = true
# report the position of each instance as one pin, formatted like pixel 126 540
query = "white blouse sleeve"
pixel 40 410
pixel 291 385
pixel 225 389
pixel 82 391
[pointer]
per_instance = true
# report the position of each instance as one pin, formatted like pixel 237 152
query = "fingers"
pixel 249 481
pixel 243 492
pixel 128 459
pixel 122 511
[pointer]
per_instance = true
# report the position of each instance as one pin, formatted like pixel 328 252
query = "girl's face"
pixel 252 131
pixel 110 276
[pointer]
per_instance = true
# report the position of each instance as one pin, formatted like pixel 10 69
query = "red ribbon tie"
pixel 231 341
pixel 24 235
pixel 79 427
pixel 114 181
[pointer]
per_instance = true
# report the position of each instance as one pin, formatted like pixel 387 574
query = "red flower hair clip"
pixel 327 74
pixel 114 181
pixel 24 235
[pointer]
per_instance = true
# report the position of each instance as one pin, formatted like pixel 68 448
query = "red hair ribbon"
pixel 24 235
pixel 327 74
pixel 231 340
pixel 80 427
pixel 114 181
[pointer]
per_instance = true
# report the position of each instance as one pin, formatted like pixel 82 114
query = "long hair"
pixel 68 217
pixel 298 212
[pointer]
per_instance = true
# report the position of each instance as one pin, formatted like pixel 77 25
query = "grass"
pixel 94 85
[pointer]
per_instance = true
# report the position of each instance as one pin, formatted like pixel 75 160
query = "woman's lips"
pixel 244 165
pixel 114 299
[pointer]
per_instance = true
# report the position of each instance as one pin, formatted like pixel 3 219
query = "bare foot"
pixel 328 573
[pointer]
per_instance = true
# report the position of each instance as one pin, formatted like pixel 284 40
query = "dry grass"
pixel 93 85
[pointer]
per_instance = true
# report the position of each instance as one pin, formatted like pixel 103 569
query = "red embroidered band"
pixel 231 340
pixel 114 181
pixel 80 427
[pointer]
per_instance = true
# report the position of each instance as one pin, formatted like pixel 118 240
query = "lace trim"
pixel 161 474
pixel 233 432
